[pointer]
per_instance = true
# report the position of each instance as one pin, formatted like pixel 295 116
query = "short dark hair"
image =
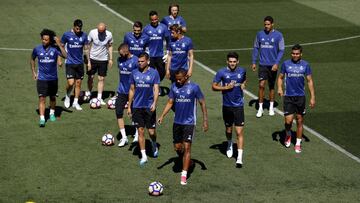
pixel 181 70
pixel 78 23
pixel 153 13
pixel 50 33
pixel 297 47
pixel 122 45
pixel 173 5
pixel 269 18
pixel 144 54
pixel 138 24
pixel 232 55
pixel 176 28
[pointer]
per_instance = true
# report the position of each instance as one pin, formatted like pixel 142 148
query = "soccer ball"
pixel 111 103
pixel 85 95
pixel 107 139
pixel 156 188
pixel 95 103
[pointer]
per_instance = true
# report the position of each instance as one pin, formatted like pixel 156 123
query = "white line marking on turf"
pixel 302 44
pixel 249 93
pixel 14 49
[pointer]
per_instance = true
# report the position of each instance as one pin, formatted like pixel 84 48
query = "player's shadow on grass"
pixel 222 147
pixel 58 111
pixel 163 91
pixel 279 136
pixel 177 167
pixel 105 95
pixel 135 148
pixel 266 104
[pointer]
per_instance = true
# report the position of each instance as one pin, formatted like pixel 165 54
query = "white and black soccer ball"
pixel 107 139
pixel 111 103
pixel 95 103
pixel 85 95
pixel 156 188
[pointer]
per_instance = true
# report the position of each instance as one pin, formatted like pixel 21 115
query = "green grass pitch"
pixel 65 161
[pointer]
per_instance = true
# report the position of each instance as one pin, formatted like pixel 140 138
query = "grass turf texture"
pixel 65 161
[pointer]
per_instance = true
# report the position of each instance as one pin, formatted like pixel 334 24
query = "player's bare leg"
pixel 152 134
pixel 261 98
pixel 52 108
pixel 272 99
pixel 77 94
pixel 299 132
pixel 240 145
pixel 100 87
pixel 68 88
pixel 186 162
pixel 229 149
pixel 42 101
pixel 288 123
pixel 143 159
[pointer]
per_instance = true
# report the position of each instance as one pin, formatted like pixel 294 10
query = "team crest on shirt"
pixel 183 45
pixel 272 40
pixel 148 78
pixel 80 39
pixel 159 31
pixel 130 65
pixel 239 75
pixel 141 42
pixel 51 53
pixel 301 68
pixel 188 91
pixel 137 78
pixel 71 39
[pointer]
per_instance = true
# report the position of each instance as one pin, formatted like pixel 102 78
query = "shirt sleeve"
pixel 183 22
pixel 199 95
pixel 171 92
pixel 111 40
pixel 34 54
pixel 63 39
pixel 191 45
pixel 281 50
pixel 157 77
pixel 90 37
pixel 217 77
pixel 86 40
pixel 255 52
pixel 244 78
pixel 308 70
pixel 131 78
pixel 283 68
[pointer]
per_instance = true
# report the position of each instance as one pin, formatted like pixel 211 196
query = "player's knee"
pixel 52 98
pixel 262 84
pixel 101 79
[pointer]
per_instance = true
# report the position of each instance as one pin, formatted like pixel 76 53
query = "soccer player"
pixel 126 62
pixel 231 81
pixel 143 96
pixel 158 33
pixel 294 71
pixel 269 44
pixel 184 94
pixel 136 40
pixel 100 41
pixel 46 75
pixel 180 54
pixel 174 18
pixel 74 41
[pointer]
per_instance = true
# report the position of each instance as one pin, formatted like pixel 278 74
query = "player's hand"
pixel 167 74
pixel 280 92
pixel 189 74
pixel 275 67
pixel 230 85
pixel 205 126
pixel 35 76
pixel 160 120
pixel 253 67
pixel 312 103
pixel 57 40
pixel 110 63
pixel 243 86
pixel 164 58
pixel 89 66
pixel 129 112
pixel 153 107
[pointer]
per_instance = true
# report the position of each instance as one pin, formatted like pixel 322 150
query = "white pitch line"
pixel 302 44
pixel 14 49
pixel 251 94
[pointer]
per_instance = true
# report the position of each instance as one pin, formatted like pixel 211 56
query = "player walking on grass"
pixel 126 64
pixel 101 57
pixel 157 33
pixel 269 44
pixel 46 75
pixel 294 71
pixel 184 94
pixel 143 96
pixel 136 40
pixel 74 41
pixel 180 54
pixel 174 18
pixel 231 81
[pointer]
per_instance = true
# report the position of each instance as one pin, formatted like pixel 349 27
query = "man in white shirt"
pixel 100 41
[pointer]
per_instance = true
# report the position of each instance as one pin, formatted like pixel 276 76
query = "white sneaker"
pixel 102 102
pixel 271 112
pixel 259 113
pixel 67 102
pixel 143 161
pixel 239 163
pixel 136 138
pixel 77 106
pixel 229 151
pixel 123 142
